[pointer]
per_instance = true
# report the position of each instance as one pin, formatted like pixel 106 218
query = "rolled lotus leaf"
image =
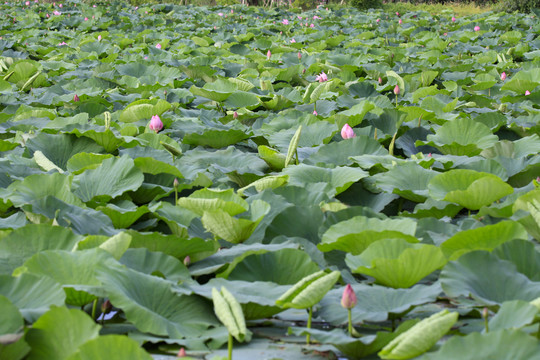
pixel 308 291
pixel 421 337
pixel 229 312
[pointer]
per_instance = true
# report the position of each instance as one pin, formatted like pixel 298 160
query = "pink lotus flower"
pixel 60 5
pixel 27 3
pixel 85 19
pixel 312 25
pixel 76 98
pixel 95 6
pixel 299 17
pixel 397 14
pixel 155 124
pixel 268 55
pixel 348 299
pixel 347 132
pixel 400 21
pixel 477 28
pixel 235 115
pixel 299 55
pixel 322 77
pixel 380 81
pixel 47 16
pixel 285 22
pixel 453 19
pixel 99 38
pixel 220 14
pixel 315 17
pixel 315 112
pixel 396 90
pixel 57 13
pixel 181 353
pixel 503 76
pixel 378 21
pixel 62 43
pixel 232 11
pixel 158 46
pixel 293 41
pixel 445 34
pixel 527 93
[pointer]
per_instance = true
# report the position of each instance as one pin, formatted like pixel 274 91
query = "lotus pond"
pixel 171 175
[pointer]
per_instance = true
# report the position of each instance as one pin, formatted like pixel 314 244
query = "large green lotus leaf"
pixel 376 303
pixel 31 294
pixel 205 200
pixel 273 266
pixel 152 306
pixel 123 213
pixel 106 138
pixel 522 81
pixel 59 148
pixel 215 138
pixel 240 99
pixel 257 298
pixel 523 254
pixel 102 347
pixel 421 337
pixel 355 114
pixel 80 162
pixel 39 186
pixel 272 157
pixel 174 246
pixel 12 320
pixel 235 230
pixel 357 233
pixel 156 263
pixel 23 72
pixel 234 255
pixel 500 345
pixel 218 90
pixel 408 180
pixel 337 179
pixel 513 314
pixel 70 269
pixel 487 279
pixel 462 136
pixel 338 153
pixel 353 348
pixel 59 333
pixel 112 178
pixel 468 188
pixel 152 166
pixel 24 242
pixel 485 238
pixel 397 263
pixel 312 134
pixel 178 219
pixel 143 109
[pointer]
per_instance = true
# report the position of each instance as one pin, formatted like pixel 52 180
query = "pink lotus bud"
pixel 429 155
pixel 85 19
pixel 299 55
pixel 285 22
pixel 322 77
pixel 445 34
pixel 57 13
pixel 315 112
pixel 232 11
pixel 60 5
pixel 503 76
pixel 187 260
pixel 158 46
pixel 348 299
pixel 175 183
pixel 477 28
pixel 347 132
pixel 220 14
pixel 106 307
pixel 538 179
pixel 527 93
pixel 400 22
pixel 96 6
pixel 453 19
pixel 485 313
pixel 99 38
pixel 312 25
pixel 235 115
pixel 47 16
pixel 268 54
pixel 397 13
pixel 181 353
pixel 27 3
pixel 396 90
pixel 293 41
pixel 155 124
pixel 378 21
pixel 76 98
pixel 380 81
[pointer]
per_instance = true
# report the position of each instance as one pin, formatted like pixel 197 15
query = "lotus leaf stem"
pixel 308 336
pixel 94 307
pixel 230 347
pixel 350 322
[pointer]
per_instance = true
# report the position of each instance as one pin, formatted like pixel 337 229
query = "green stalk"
pixel 175 196
pixel 308 336
pixel 538 332
pixel 486 324
pixel 94 307
pixel 350 322
pixel 230 346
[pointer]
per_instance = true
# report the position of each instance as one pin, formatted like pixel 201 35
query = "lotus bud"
pixel 397 13
pixel 396 90
pixel 503 76
pixel 175 183
pixel 485 312
pixel 99 38
pixel 453 19
pixel 106 307
pixel 378 21
pixel 181 353
pixel 347 132
pixel 299 55
pixel 477 28
pixel 527 93
pixel 155 124
pixel 235 115
pixel 76 98
pixel 187 260
pixel 268 55
pixel 380 81
pixel 315 112
pixel 400 21
pixel 158 46
pixel 348 299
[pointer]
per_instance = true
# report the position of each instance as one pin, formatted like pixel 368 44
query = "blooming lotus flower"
pixel 293 41
pixel 232 11
pixel 285 22
pixel 445 34
pixel 527 93
pixel 396 90
pixel 47 16
pixel 312 25
pixel 315 112
pixel 62 43
pixel 453 19
pixel 60 5
pixel 322 77
pixel 85 19
pixel 57 13
pixel 27 3
pixel 299 17
pixel 503 76
pixel 347 132
pixel 158 46
pixel 95 6
pixel 268 54
pixel 397 13
pixel 477 28
pixel 76 98
pixel 348 299
pixel 99 38
pixel 155 124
